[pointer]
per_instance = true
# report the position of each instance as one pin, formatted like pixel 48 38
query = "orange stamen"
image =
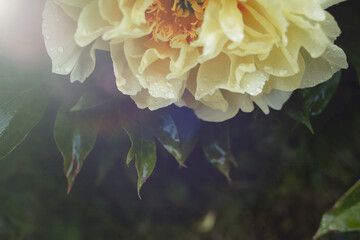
pixel 182 17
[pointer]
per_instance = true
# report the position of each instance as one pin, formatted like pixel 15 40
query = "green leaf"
pixel 143 150
pixel 354 57
pixel 347 15
pixel 14 80
pixel 19 114
pixel 312 101
pixel 217 149
pixel 114 148
pixel 75 135
pixel 188 126
pixel 6 95
pixel 166 132
pixel 296 109
pixel 91 99
pixel 345 215
pixel 317 98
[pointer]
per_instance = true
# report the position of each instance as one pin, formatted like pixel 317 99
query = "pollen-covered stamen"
pixel 176 20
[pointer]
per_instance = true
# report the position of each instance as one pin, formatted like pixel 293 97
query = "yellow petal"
pixel 231 20
pixel 126 82
pixel 144 100
pixel 321 69
pixel 212 75
pixel 309 8
pixel 289 83
pixel 211 37
pixel 110 11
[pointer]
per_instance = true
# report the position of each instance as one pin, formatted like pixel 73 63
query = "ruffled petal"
pixel 328 3
pixel 86 63
pixel 126 82
pixel 308 8
pixel 110 11
pixel 151 66
pixel 129 27
pixel 320 69
pixel 211 37
pixel 90 24
pixel 144 100
pixel 209 114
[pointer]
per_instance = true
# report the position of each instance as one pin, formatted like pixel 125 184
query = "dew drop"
pixel 267 68
pixel 284 72
pixel 170 95
pixel 60 50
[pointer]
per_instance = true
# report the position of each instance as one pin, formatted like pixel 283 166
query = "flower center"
pixel 176 20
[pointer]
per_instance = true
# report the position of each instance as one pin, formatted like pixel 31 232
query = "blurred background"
pixel 285 180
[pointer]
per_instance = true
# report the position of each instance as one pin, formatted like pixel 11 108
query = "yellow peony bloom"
pixel 214 56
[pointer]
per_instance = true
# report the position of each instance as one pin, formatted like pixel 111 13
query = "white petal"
pixel 276 99
pixel 320 69
pixel 209 114
pixel 86 63
pixel 328 3
pixel 58 30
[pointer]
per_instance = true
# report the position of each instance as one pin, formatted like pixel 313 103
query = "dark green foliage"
pixel 143 149
pixel 216 147
pixel 345 215
pixel 18 112
pixel 75 135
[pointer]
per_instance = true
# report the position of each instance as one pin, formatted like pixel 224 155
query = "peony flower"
pixel 214 56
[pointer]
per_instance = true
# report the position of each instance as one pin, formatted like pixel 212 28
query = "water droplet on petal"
pixel 284 72
pixel 170 95
pixel 267 68
pixel 60 50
